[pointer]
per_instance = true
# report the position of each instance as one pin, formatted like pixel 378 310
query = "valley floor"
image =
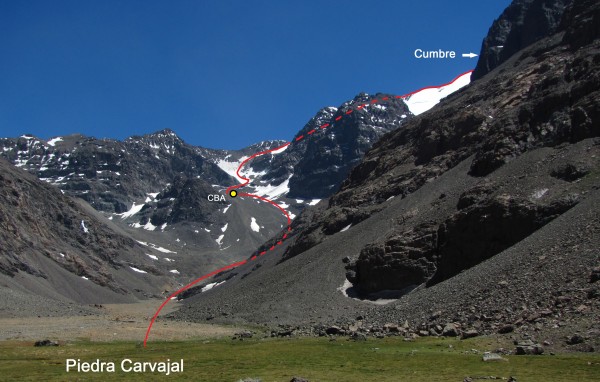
pixel 315 359
pixel 124 322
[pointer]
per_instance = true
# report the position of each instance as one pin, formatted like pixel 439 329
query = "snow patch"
pixel 313 202
pixel 210 286
pixel 137 270
pixel 174 271
pixel 425 99
pixel 255 227
pixel 135 208
pixel 539 193
pixel 149 226
pixel 54 141
pixel 226 208
pixel 152 256
pixel 224 228
pixel 346 228
pixel 274 191
pixel 154 246
pixel 84 228
pixel 230 167
pixel 220 239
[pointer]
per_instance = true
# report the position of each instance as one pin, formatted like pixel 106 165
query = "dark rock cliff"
pixel 522 23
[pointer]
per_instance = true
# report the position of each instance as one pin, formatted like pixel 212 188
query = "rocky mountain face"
pixel 108 174
pixel 521 24
pixel 55 247
pixel 480 215
pixel 315 167
pixel 547 100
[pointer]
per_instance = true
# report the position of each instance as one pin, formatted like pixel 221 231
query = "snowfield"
pixel 427 98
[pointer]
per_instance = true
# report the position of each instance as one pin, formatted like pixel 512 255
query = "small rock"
pixel 506 329
pixel 595 275
pixel 492 357
pixel 358 337
pixel 333 330
pixel 243 334
pixel 582 308
pixel 575 339
pixel 299 379
pixel 470 333
pixel 45 343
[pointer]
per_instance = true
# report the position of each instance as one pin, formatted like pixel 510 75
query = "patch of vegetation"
pixel 316 359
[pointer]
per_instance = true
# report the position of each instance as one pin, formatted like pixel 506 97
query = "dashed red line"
pixel 289 220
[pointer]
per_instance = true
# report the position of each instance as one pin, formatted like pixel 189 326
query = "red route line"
pixel 287 215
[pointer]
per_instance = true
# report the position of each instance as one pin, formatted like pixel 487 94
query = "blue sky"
pixel 221 74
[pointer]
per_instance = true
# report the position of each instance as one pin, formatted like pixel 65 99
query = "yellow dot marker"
pixel 233 193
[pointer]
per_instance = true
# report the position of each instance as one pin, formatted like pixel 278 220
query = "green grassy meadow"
pixel 317 359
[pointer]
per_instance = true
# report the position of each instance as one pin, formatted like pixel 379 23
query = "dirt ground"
pixel 113 322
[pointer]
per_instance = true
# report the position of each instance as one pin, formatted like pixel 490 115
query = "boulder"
pixel 506 329
pixel 575 339
pixel 450 330
pixel 358 337
pixel 470 333
pixel 528 347
pixel 334 330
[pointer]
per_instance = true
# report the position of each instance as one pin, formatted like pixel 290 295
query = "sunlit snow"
pixel 210 286
pixel 274 191
pixel 84 228
pixel 53 141
pixel 426 99
pixel 255 227
pixel 346 228
pixel 135 208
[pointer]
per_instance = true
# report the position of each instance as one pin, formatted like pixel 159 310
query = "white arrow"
pixel 469 55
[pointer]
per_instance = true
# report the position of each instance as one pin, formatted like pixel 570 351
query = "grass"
pixel 316 359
